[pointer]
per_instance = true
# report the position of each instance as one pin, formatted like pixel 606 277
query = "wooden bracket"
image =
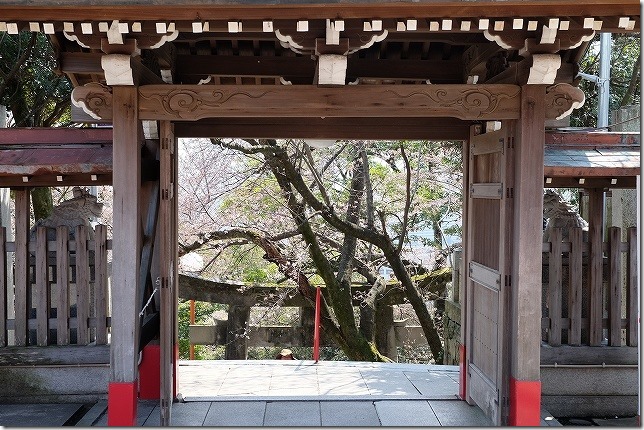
pixel 561 99
pixel 94 99
pixel 544 68
pixel 332 70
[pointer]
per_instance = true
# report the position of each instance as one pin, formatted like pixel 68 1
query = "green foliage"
pixel 203 315
pixel 625 60
pixel 29 86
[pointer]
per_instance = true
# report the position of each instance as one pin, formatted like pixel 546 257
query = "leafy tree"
pixel 625 81
pixel 336 216
pixel 34 94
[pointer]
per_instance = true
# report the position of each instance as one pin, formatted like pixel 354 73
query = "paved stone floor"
pixel 288 393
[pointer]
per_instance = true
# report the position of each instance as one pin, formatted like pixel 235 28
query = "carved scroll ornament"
pixel 561 99
pixel 194 102
pixel 95 99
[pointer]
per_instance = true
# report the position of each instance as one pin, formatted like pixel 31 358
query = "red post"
pixel 461 374
pixel 121 404
pixel 192 321
pixel 149 371
pixel 316 330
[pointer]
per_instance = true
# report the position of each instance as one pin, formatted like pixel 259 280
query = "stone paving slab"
pixel 183 415
pixel 349 414
pixel 456 414
pixel 292 414
pixel 406 413
pixel 143 411
pixel 433 383
pixel 37 415
pixel 236 414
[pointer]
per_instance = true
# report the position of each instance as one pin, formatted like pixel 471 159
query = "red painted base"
pixel 121 404
pixel 525 403
pixel 150 373
pixel 462 370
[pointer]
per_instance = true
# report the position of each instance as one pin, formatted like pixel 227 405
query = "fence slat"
pixel 62 284
pixel 595 263
pixel 22 265
pixel 3 287
pixel 574 294
pixel 100 284
pixel 42 287
pixel 82 285
pixel 554 288
pixel 614 286
pixel 631 290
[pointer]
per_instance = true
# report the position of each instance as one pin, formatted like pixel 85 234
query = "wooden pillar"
pixel 595 263
pixel 22 289
pixel 466 303
pixel 168 268
pixel 525 302
pixel 236 343
pixel 126 251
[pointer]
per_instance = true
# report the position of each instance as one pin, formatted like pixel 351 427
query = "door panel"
pixel 487 256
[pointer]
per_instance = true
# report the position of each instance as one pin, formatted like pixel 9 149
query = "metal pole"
pixel 605 40
pixel 316 330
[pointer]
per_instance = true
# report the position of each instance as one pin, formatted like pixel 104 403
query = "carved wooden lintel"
pixel 468 102
pixel 194 102
pixel 561 99
pixel 95 100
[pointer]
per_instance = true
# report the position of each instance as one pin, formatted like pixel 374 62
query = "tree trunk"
pixel 42 201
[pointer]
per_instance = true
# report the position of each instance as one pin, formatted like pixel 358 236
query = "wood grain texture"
pixel 167 266
pixel 62 285
pixel 525 315
pixel 595 262
pixel 190 10
pixel 82 286
pixel 3 287
pixel 101 284
pixel 22 265
pixel 615 287
pixel 555 290
pixel 632 288
pixel 42 290
pixel 126 242
pixel 575 286
pixel 193 102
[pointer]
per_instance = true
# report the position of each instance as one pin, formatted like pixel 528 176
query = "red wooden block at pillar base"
pixel 525 403
pixel 150 373
pixel 121 404
pixel 461 373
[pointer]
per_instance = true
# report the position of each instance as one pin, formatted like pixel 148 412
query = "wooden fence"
pixel 61 287
pixel 590 292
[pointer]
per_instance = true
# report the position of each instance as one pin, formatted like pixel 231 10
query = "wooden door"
pixel 489 229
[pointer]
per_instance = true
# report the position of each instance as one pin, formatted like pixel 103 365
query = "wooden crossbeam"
pixel 194 102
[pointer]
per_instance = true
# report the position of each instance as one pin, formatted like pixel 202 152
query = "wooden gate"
pixel 489 221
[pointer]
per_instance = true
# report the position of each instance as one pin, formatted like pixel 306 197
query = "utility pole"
pixel 605 42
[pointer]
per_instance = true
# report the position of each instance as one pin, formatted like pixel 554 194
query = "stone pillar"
pixel 621 208
pixel 236 342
